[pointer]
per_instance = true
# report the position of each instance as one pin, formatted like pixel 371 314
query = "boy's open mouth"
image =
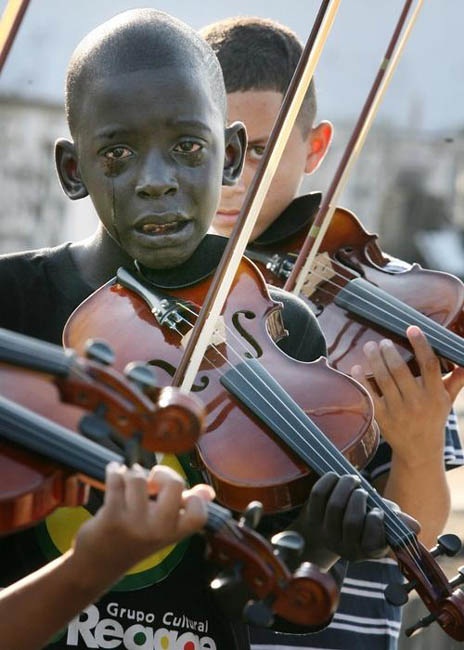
pixel 156 229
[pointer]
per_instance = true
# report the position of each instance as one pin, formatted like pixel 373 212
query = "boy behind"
pixel 258 58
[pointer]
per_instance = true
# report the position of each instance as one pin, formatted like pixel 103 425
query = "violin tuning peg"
pixel 420 625
pixel 288 546
pixel 141 374
pixel 252 515
pixel 226 580
pixel 448 544
pixel 258 613
pixel 98 350
pixel 230 592
pixel 94 427
pixel 459 579
pixel 397 593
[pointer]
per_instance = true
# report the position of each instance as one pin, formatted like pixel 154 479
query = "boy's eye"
pixel 256 151
pixel 188 147
pixel 118 153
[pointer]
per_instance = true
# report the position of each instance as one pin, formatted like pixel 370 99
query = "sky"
pixel 425 93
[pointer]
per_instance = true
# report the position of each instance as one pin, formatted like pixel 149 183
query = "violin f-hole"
pixel 245 334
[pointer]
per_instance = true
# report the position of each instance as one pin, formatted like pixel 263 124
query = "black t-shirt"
pixel 167 602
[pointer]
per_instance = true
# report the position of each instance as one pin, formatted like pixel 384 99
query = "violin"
pixel 262 406
pixel 31 445
pixel 152 325
pixel 84 394
pixel 356 290
pixel 360 294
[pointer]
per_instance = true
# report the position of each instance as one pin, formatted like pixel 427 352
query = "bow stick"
pixel 9 25
pixel 222 280
pixel 305 260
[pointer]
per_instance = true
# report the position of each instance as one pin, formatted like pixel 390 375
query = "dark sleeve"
pixel 305 341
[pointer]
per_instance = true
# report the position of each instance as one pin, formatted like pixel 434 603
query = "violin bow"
pixel 9 25
pixel 305 260
pixel 221 283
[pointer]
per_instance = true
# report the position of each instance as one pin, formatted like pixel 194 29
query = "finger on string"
pixel 390 372
pixel 380 372
pixel 169 491
pixel 410 522
pixel 161 475
pixel 353 521
pixel 374 542
pixel 337 504
pixel 136 487
pixel 357 372
pixel 429 364
pixel 114 482
pixel 320 493
pixel 194 514
pixel 205 492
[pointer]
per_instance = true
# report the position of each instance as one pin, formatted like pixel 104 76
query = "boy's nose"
pixel 157 179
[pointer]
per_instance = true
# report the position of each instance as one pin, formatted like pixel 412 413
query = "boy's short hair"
pixel 136 40
pixel 259 54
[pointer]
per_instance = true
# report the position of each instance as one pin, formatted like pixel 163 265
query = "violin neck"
pixel 37 434
pixel 377 306
pixel 26 352
pixel 51 440
pixel 250 382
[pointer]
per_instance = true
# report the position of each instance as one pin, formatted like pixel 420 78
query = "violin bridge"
pixel 218 336
pixel 321 271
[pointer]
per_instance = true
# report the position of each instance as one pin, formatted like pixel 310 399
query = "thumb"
pixel 454 382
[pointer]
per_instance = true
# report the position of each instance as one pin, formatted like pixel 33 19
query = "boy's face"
pixel 150 152
pixel 258 109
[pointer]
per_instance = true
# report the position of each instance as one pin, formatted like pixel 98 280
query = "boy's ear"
pixel 68 170
pixel 236 144
pixel 318 144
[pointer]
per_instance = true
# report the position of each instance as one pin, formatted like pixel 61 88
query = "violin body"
pixel 80 395
pixel 347 252
pixel 32 487
pixel 241 457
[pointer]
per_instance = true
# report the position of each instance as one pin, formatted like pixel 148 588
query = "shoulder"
pixel 38 291
pixel 33 261
pixel 305 340
pixel 27 272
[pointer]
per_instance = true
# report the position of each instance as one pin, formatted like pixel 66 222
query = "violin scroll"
pixel 444 601
pixel 129 402
pixel 306 597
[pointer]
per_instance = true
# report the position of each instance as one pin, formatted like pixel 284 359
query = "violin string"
pixel 446 339
pixel 392 521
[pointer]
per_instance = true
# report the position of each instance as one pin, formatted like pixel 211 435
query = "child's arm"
pixel 412 414
pixel 129 527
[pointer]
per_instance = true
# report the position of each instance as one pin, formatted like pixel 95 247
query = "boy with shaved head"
pixel 146 107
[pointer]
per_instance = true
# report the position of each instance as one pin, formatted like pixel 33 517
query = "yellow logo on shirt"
pixel 56 534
